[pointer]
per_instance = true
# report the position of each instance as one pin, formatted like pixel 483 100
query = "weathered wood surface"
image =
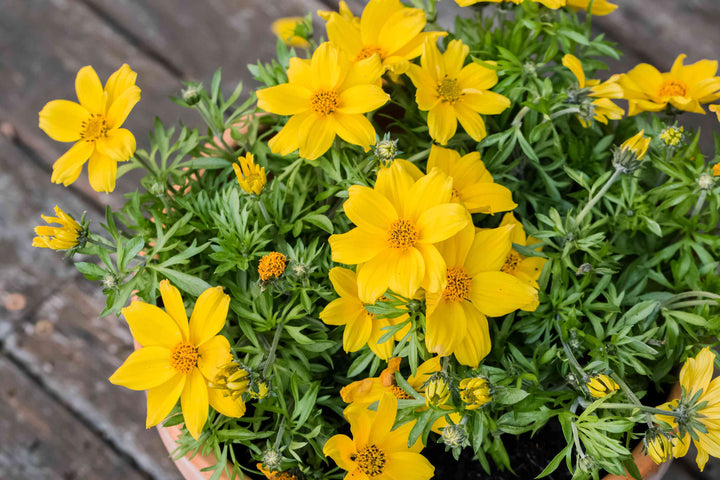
pixel 41 440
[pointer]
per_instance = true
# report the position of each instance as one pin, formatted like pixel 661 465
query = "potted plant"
pixel 414 252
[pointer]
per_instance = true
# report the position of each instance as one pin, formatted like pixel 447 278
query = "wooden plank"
pixel 40 440
pixel 51 325
pixel 44 44
pixel 200 37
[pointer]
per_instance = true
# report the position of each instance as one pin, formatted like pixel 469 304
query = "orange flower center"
pixel 94 128
pixel 272 266
pixel 448 90
pixel 325 102
pixel 399 393
pixel 184 357
pixel 458 285
pixel 673 88
pixel 369 51
pixel 511 262
pixel 370 460
pixel 403 234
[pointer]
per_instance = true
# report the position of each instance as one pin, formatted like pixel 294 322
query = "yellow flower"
pixel 179 358
pixel 637 144
pixel 658 446
pixel 285 27
pixel 527 269
pixel 600 386
pixel 475 287
pixel 475 392
pixel 685 87
pixel 398 223
pixel 343 10
pixel 700 400
pixel 271 266
pixel 250 176
pixel 473 185
pixel 94 126
pixel 599 7
pixel 554 4
pixel 375 452
pixel 450 92
pixel 387 28
pixel 325 96
pixel 273 475
pixel 716 170
pixel 603 107
pixel 361 326
pixel 64 237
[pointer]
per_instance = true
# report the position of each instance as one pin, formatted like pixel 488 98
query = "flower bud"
pixel 386 150
pixel 454 436
pixel 272 459
pixel 627 158
pixel 437 390
pixel 192 93
pixel 601 385
pixel 583 269
pixel 250 176
pixel 672 136
pixel 706 181
pixel 259 390
pixel 585 463
pixel 232 379
pixel 658 446
pixel 475 392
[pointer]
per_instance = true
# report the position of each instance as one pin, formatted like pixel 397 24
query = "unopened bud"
pixel 658 446
pixel 192 93
pixel 259 390
pixel 672 136
pixel 600 386
pixel 110 281
pixel 586 463
pixel 386 149
pixel 706 181
pixel 272 459
pixel 437 390
pixel 454 436
pixel 475 392
pixel 583 269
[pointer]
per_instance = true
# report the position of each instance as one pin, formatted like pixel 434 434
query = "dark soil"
pixel 528 457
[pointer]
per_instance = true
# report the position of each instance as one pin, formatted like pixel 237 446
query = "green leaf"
pixel 91 271
pixel 189 283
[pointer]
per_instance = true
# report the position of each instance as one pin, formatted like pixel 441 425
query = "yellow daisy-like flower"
pixel 451 92
pixel 387 28
pixel 376 451
pixel 361 326
pixel 473 185
pixel 475 287
pixel 527 269
pixel 285 27
pixel 179 358
pixel 64 237
pixel 94 126
pixel 603 107
pixel 600 386
pixel 685 87
pixel 250 176
pixel 325 96
pixel 398 223
pixel 271 266
pixel 696 379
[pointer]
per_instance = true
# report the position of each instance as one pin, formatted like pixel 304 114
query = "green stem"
pixel 633 398
pixel 264 211
pixel 648 410
pixel 699 204
pixel 273 349
pixel 596 198
pixel 564 111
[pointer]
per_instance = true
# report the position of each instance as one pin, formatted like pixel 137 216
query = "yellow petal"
pixel 357 332
pixel 442 122
pixel 496 293
pixel 363 72
pixel 395 182
pixel 355 129
pixel 369 209
pixel 288 139
pixel 162 399
pixel 151 326
pixel 63 120
pixel 573 63
pixel 344 34
pixel 440 222
pixel 412 465
pixel 646 77
pixel 445 327
pixel 382 350
pixel 487 198
pixel 102 172
pixel 300 73
pixel 174 306
pixel 435 267
pixel 423 372
pixel 212 355
pixel 119 81
pixel 119 145
pixel 489 250
pixel 341 448
pixel 285 99
pixel 89 90
pixel 325 67
pixel 426 95
pixel 342 310
pixel 471 121
pixel 121 107
pixel 374 276
pixel 475 343
pixel 432 61
pixel 408 274
pixel 344 282
pixel 356 246
pixel 384 418
pixel 373 18
pixel 145 368
pixel 209 315
pixel 398 440
pixel 486 102
pixel 316 136
pixel 433 189
pixel 455 249
pixel 225 404
pixel 454 57
pixel 67 168
pixel 194 402
pixel 362 98
pixel 401 27
pixel 476 77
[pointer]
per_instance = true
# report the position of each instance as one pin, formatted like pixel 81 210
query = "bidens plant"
pixel 413 243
